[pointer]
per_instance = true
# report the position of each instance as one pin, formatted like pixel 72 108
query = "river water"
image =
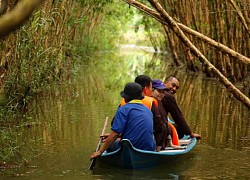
pixel 63 127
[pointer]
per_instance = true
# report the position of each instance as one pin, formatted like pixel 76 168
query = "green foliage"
pixel 46 49
pixel 42 54
pixel 9 145
pixel 101 37
pixel 40 58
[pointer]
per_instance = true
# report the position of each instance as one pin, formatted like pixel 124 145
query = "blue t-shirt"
pixel 135 122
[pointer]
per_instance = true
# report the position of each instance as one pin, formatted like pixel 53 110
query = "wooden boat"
pixel 130 157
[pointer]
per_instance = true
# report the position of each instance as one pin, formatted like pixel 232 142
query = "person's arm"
pixel 197 136
pixel 159 124
pixel 170 105
pixel 110 140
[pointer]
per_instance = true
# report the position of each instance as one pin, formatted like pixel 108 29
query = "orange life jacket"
pixel 175 137
pixel 147 101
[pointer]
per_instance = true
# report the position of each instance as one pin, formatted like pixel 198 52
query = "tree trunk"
pixel 176 29
pixel 172 46
pixel 3 6
pixel 190 31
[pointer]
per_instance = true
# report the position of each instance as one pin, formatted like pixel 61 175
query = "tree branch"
pixel 12 20
pixel 177 30
pixel 241 17
pixel 190 31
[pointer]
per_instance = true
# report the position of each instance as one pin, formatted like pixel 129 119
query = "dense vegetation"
pixel 60 34
pixel 43 51
pixel 47 49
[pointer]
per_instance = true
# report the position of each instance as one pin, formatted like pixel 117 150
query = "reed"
pixel 223 21
pixel 42 51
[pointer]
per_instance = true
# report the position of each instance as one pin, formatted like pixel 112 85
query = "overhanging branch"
pixel 190 31
pixel 13 19
pixel 166 19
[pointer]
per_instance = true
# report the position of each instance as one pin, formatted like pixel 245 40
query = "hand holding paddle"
pixel 92 164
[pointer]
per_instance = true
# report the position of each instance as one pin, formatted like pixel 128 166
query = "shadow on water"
pixel 204 162
pixel 64 124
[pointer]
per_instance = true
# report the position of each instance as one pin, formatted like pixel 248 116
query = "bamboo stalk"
pixel 172 46
pixel 174 26
pixel 176 29
pixel 241 16
pixel 190 31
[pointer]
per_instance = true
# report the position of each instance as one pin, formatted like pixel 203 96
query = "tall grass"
pixel 44 51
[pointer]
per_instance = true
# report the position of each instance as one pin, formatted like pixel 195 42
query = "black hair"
pixel 170 77
pixel 143 80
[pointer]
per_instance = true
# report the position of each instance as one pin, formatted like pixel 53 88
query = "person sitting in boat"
pixel 160 129
pixel 170 105
pixel 172 139
pixel 133 121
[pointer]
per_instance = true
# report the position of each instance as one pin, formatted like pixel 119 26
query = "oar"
pixel 92 164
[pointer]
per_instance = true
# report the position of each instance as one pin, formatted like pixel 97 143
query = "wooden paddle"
pixel 92 164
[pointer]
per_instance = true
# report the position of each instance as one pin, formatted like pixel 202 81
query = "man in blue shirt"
pixel 133 121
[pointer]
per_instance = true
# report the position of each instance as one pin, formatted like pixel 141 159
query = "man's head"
pixel 158 89
pixel 132 91
pixel 172 83
pixel 146 83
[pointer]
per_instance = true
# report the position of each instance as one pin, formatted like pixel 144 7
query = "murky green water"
pixel 65 124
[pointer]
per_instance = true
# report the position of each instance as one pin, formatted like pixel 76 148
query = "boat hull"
pixel 131 158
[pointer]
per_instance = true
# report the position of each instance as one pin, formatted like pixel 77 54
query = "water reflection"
pixel 174 170
pixel 65 124
pixel 206 104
